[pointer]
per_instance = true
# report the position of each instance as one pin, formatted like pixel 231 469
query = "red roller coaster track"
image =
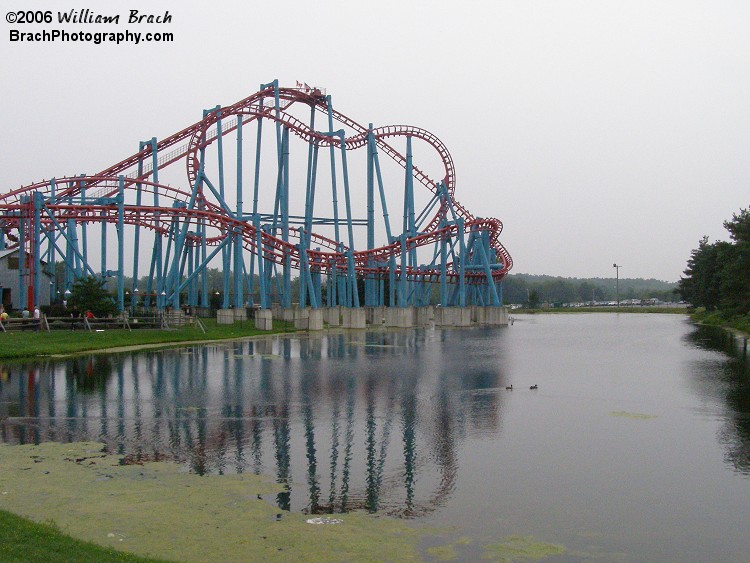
pixel 187 144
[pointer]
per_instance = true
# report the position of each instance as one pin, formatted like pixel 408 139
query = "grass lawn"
pixel 27 344
pixel 27 541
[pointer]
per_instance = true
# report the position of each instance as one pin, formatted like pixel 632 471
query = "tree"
pixel 89 294
pixel 533 299
pixel 735 260
pixel 701 284
pixel 718 274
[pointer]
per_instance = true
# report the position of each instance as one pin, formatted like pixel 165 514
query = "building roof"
pixel 9 251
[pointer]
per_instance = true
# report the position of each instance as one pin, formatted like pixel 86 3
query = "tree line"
pixel 717 276
pixel 530 289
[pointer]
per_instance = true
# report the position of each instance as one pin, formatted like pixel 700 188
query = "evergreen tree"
pixel 90 294
pixel 735 260
pixel 718 275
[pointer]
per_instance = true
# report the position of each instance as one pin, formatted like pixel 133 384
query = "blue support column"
pixel 353 297
pixel 238 262
pixel 370 287
pixel 312 161
pixel 84 229
pixel 50 268
pixel 256 182
pixel 22 235
pixel 483 245
pixel 461 264
pixel 70 259
pixel 37 245
pixel 136 242
pixel 336 236
pixel 305 278
pixel 392 282
pixel 103 251
pixel 121 243
pixel 402 285
pixel 157 266
pixel 259 250
pixel 286 298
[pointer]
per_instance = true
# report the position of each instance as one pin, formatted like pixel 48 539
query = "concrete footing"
pixel 175 317
pixel 401 317
pixel 452 316
pixel 288 314
pixel 497 316
pixel 225 316
pixel 309 319
pixel 240 314
pixel 424 315
pixel 332 315
pixel 354 318
pixel 489 316
pixel 263 319
pixel 375 315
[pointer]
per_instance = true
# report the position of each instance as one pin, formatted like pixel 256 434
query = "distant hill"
pixel 518 287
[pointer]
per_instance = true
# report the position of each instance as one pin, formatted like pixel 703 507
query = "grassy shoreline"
pixel 716 318
pixel 23 345
pixel 27 541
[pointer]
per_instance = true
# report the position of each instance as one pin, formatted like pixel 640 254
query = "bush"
pixel 89 294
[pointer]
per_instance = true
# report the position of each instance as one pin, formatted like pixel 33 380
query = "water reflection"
pixel 729 381
pixel 365 420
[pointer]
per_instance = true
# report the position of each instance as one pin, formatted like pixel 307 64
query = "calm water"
pixel 636 446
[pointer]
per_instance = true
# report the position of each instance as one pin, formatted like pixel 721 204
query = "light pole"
pixel 617 281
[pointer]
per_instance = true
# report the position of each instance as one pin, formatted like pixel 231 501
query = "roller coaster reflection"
pixel 368 421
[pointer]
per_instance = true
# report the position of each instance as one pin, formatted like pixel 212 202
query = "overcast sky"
pixel 597 131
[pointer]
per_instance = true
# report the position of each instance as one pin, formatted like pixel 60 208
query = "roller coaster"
pixel 185 230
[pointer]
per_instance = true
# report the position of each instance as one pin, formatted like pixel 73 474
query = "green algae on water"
pixel 633 415
pixel 517 548
pixel 443 552
pixel 158 509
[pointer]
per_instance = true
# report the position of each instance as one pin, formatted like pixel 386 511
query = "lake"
pixel 635 446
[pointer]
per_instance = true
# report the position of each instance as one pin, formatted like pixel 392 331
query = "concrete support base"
pixel 463 316
pixel 225 316
pixel 263 319
pixel 354 318
pixel 375 315
pixel 240 314
pixel 315 319
pixel 288 314
pixel 401 317
pixel 175 318
pixel 332 315
pixel 308 319
pixel 425 315
pixel 452 316
pixel 496 316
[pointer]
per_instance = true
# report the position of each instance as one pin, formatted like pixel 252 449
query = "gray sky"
pixel 597 131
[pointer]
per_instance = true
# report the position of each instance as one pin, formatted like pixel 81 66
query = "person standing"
pixel 37 318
